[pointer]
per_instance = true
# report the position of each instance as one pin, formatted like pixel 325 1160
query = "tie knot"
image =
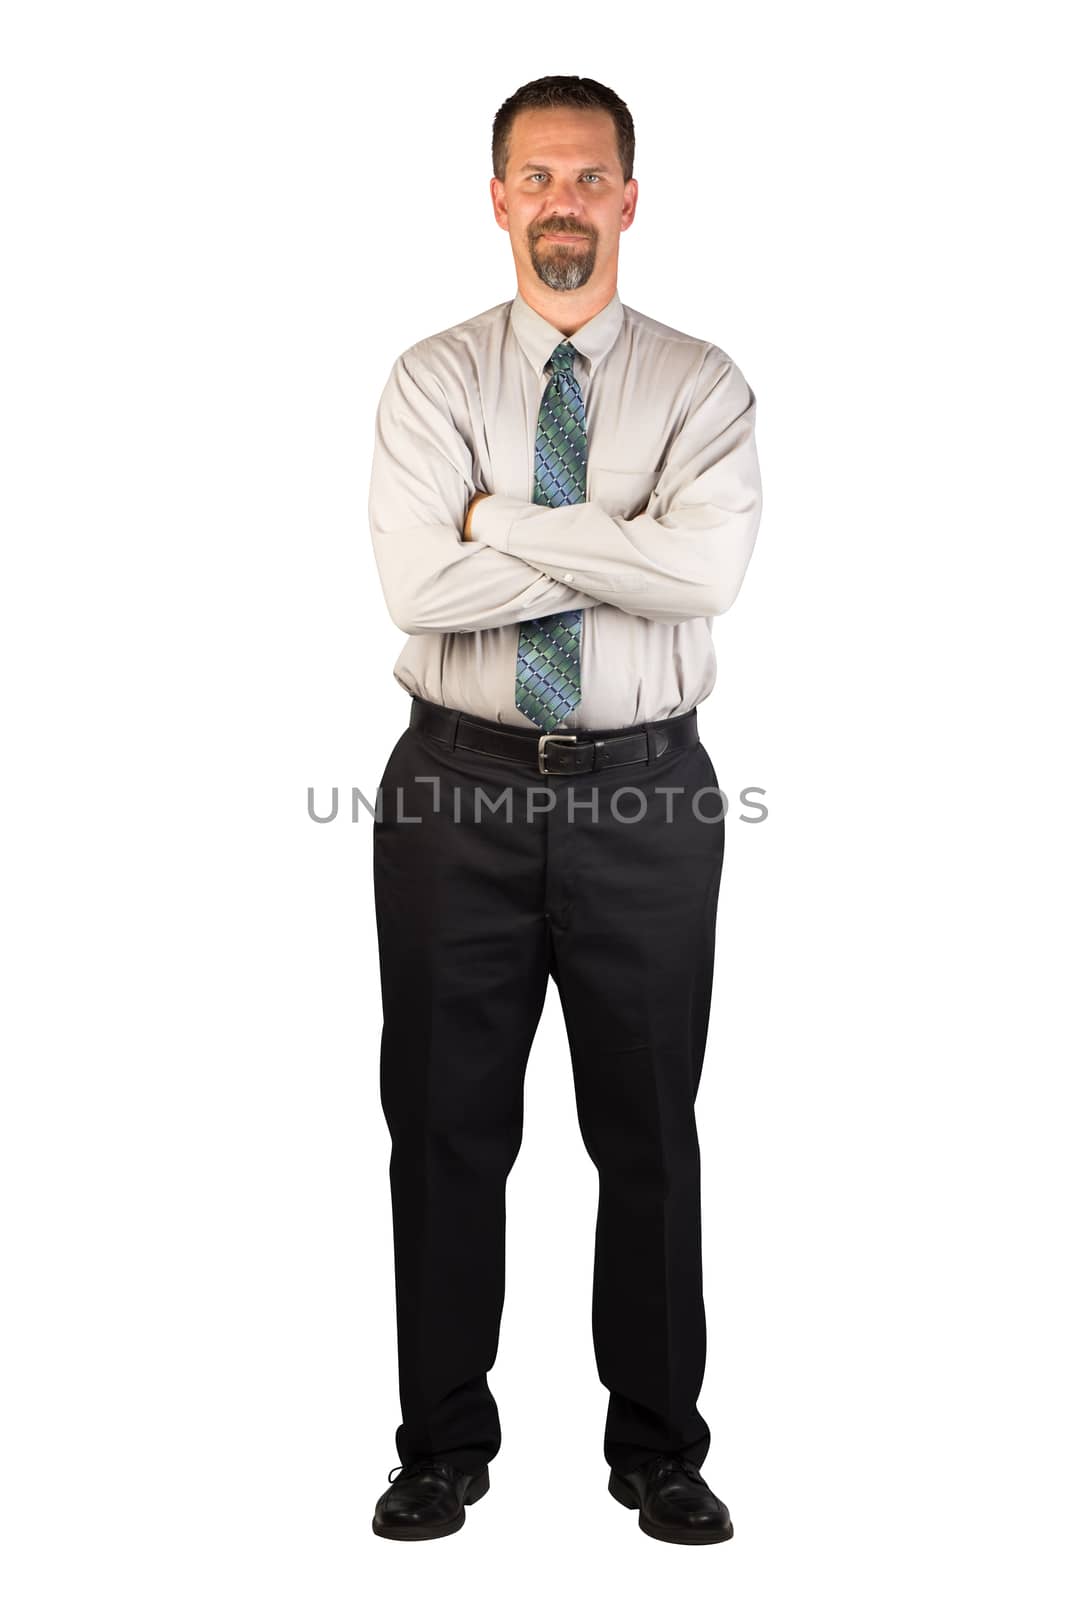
pixel 562 358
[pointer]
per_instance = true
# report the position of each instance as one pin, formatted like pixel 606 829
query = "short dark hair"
pixel 584 94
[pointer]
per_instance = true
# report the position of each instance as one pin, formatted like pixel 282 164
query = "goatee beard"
pixel 561 267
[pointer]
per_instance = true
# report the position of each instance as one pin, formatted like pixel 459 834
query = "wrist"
pixel 482 494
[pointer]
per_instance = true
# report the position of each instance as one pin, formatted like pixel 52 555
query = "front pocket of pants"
pixel 709 763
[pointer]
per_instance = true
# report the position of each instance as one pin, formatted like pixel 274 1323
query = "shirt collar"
pixel 538 338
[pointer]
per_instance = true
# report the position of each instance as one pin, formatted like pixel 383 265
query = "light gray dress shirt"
pixel 657 549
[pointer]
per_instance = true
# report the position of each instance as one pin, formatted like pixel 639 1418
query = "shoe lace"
pixel 413 1467
pixel 663 1464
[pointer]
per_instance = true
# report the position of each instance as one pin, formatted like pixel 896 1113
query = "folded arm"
pixel 687 557
pixel 422 479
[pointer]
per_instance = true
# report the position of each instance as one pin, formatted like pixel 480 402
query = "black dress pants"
pixel 478 903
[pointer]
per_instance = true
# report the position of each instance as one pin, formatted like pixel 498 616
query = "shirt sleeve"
pixel 421 483
pixel 686 554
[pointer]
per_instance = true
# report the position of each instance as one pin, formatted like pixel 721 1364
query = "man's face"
pixel 563 200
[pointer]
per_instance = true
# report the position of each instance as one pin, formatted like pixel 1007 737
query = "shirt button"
pixel 567 576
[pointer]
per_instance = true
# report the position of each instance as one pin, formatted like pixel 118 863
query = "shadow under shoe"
pixel 427 1500
pixel 674 1502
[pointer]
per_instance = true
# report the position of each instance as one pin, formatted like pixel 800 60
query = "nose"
pixel 566 200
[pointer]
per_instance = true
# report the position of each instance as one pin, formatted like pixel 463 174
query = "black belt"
pixel 554 754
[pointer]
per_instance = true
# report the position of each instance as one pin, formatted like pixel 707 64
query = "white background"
pixel 222 224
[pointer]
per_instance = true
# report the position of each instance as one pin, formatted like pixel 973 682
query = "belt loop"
pixel 659 738
pixel 454 717
pixel 649 743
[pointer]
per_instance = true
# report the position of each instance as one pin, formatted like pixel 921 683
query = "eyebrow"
pixel 546 166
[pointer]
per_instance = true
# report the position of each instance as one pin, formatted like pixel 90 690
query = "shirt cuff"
pixel 493 517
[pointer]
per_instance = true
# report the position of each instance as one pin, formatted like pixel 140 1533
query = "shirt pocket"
pixel 621 493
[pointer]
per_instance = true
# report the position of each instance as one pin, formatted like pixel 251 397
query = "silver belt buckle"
pixel 559 738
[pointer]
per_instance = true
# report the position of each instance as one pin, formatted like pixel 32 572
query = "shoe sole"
pixel 478 1486
pixel 621 1491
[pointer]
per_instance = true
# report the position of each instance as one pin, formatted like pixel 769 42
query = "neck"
pixel 566 309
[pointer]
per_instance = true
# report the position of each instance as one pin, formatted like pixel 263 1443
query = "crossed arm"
pixel 455 559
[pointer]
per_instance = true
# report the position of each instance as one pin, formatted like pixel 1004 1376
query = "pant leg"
pixel 463 956
pixel 633 927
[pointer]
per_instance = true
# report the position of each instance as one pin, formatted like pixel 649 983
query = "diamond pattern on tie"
pixel 548 662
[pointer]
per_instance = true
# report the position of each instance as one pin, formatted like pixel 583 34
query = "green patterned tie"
pixel 548 663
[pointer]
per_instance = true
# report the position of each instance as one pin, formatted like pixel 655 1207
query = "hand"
pixel 483 494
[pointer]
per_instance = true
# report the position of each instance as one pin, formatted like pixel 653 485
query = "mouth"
pixel 563 238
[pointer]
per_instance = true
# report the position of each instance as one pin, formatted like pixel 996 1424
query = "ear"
pixel 498 196
pixel 629 204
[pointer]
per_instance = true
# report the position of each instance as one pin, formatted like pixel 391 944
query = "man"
pixel 564 493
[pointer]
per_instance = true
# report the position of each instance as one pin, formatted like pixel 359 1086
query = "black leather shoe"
pixel 675 1502
pixel 426 1500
